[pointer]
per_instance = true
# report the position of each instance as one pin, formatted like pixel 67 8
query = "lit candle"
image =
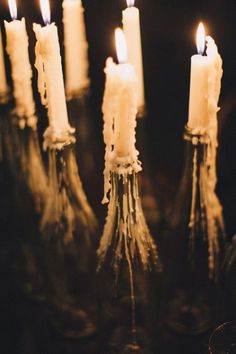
pixel 131 25
pixel 206 73
pixel 50 77
pixel 3 80
pixel 119 110
pixel 122 83
pixel 76 47
pixel 17 49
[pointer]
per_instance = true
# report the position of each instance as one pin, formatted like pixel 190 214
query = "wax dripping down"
pixel 126 230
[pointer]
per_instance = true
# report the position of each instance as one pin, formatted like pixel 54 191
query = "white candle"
pixel 76 47
pixel 214 80
pixel 122 88
pixel 201 88
pixel 17 49
pixel 119 111
pixel 50 77
pixel 131 25
pixel 3 80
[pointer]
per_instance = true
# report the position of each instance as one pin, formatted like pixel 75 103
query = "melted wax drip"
pixel 212 224
pixel 210 204
pixel 126 223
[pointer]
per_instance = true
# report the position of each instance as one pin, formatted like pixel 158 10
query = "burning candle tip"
pixel 13 9
pixel 45 9
pixel 201 39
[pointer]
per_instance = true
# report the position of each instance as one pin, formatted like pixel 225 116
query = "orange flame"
pixel 201 39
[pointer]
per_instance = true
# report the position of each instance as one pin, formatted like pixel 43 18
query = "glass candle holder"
pixel 127 261
pixel 68 228
pixel 195 240
pixel 223 339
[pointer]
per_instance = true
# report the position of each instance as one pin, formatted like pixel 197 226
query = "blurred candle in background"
pixel 3 80
pixel 76 48
pixel 17 49
pixel 131 26
pixel 50 76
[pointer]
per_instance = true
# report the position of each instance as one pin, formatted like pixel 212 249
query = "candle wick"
pixel 130 3
pixel 201 50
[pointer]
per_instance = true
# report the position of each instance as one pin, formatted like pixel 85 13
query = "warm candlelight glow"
pixel 201 38
pixel 130 3
pixel 121 47
pixel 13 9
pixel 45 9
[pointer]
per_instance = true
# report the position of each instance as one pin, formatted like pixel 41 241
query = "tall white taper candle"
pixel 17 49
pixel 131 25
pixel 50 76
pixel 76 47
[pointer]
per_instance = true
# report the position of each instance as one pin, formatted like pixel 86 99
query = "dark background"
pixel 168 37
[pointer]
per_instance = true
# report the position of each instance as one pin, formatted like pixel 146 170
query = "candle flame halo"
pixel 46 13
pixel 130 3
pixel 121 46
pixel 201 38
pixel 13 9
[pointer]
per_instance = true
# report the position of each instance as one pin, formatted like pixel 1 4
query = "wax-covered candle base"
pixel 195 240
pixel 57 139
pixel 127 257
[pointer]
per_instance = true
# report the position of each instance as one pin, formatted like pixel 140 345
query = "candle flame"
pixel 130 3
pixel 201 39
pixel 45 9
pixel 13 9
pixel 121 47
